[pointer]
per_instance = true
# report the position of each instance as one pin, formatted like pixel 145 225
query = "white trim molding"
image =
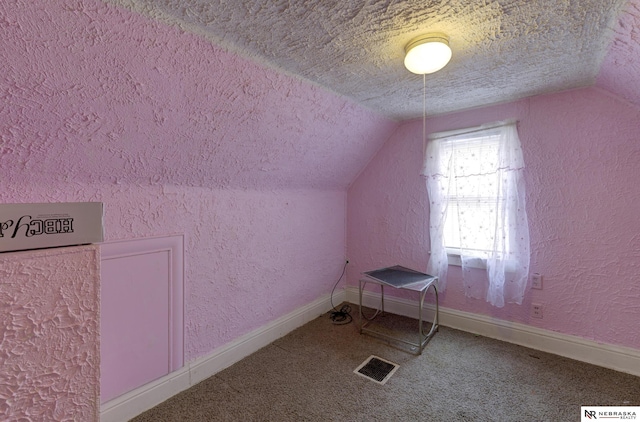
pixel 149 395
pixel 171 247
pixel 619 358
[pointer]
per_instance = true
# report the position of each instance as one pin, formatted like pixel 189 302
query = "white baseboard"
pixel 619 358
pixel 135 402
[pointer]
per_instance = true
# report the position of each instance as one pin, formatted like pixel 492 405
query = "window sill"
pixel 456 261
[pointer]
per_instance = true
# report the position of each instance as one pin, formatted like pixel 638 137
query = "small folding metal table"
pixel 400 277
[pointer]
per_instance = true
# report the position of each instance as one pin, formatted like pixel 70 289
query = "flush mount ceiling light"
pixel 427 53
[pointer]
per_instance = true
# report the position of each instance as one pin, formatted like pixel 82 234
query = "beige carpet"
pixel 308 376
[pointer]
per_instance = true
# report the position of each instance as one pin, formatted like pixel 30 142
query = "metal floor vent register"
pixel 376 369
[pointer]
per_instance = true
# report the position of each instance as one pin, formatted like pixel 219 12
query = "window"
pixel 472 200
pixel 477 209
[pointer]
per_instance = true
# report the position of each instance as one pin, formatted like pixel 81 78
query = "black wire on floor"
pixel 343 315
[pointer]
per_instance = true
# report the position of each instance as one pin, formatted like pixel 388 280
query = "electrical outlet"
pixel 536 281
pixel 536 310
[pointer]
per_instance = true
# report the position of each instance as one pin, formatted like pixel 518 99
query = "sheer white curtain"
pixel 477 209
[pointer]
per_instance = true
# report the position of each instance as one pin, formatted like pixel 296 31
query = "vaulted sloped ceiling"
pixel 93 93
pixel 620 72
pixel 502 49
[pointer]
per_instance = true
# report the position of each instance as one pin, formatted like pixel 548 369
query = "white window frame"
pixel 454 253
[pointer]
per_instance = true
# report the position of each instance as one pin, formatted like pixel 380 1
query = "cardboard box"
pixel 36 226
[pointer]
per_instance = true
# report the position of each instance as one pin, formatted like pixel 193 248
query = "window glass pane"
pixel 469 226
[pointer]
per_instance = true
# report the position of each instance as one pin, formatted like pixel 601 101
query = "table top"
pixel 401 277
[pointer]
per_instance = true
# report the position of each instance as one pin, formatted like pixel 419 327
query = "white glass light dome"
pixel 427 53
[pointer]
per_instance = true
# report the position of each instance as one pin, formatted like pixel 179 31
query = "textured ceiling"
pixel 502 49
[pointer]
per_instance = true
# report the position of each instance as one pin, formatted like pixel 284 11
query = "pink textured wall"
pixel 581 149
pixel 49 354
pixel 176 135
